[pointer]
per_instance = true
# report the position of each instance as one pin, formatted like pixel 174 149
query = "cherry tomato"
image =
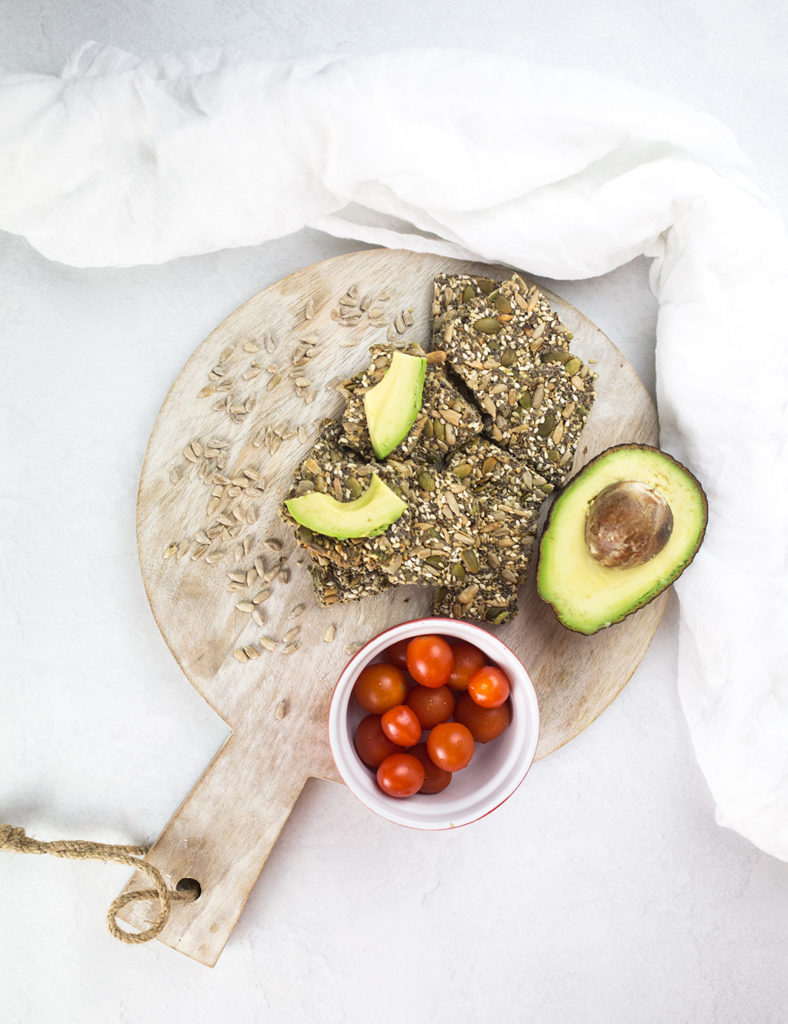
pixel 467 660
pixel 435 778
pixel 485 724
pixel 489 687
pixel 401 725
pixel 431 705
pixel 380 687
pixel 396 654
pixel 401 775
pixel 371 743
pixel 430 660
pixel 450 746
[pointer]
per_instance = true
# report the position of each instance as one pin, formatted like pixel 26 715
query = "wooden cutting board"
pixel 240 409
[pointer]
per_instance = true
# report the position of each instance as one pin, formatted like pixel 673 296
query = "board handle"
pixel 220 837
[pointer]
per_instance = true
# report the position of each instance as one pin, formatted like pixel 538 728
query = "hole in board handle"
pixel 190 885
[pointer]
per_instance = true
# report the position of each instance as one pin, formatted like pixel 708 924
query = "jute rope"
pixel 16 840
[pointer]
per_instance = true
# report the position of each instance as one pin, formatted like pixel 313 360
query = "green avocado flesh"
pixel 393 404
pixel 588 596
pixel 367 516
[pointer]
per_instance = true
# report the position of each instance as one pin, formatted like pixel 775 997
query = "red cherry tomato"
pixel 401 775
pixel 401 725
pixel 435 778
pixel 430 660
pixel 431 705
pixel 371 743
pixel 467 660
pixel 397 653
pixel 489 687
pixel 485 724
pixel 450 746
pixel 380 687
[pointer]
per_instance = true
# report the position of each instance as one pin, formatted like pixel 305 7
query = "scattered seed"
pixel 189 454
pixel 291 634
pixel 281 709
pixel 170 551
pixel 252 652
pixel 240 654
pixel 330 634
pixel 291 648
pixel 268 643
pixel 245 606
pixel 258 617
pixel 261 596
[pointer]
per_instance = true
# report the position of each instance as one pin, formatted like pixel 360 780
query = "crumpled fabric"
pixel 120 161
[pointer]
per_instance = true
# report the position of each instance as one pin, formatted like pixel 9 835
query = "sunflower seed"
pixel 170 551
pixel 281 709
pixel 291 634
pixel 245 606
pixel 189 454
pixel 261 596
pixel 268 643
pixel 330 634
pixel 240 654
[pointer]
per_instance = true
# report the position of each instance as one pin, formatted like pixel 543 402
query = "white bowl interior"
pixel 497 767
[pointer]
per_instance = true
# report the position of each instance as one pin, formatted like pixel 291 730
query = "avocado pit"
pixel 627 524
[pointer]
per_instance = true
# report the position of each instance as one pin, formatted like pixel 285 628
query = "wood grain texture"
pixel 226 827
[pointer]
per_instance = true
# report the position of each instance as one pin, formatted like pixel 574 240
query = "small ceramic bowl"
pixel 497 768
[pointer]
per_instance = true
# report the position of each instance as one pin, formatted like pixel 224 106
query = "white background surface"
pixel 603 891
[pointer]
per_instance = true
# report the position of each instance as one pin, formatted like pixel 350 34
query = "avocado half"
pixel 588 596
pixel 367 516
pixel 393 404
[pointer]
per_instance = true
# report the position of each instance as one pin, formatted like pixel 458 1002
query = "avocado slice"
pixel 367 516
pixel 633 508
pixel 391 407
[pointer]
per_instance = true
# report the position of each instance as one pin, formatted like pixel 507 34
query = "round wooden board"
pixel 277 704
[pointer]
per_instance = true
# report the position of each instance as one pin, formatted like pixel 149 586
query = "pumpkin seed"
pixel 458 571
pixel 462 470
pixel 469 294
pixel 486 285
pixel 436 561
pixel 524 401
pixel 545 428
pixel 470 560
pixel 508 356
pixel 502 304
pixel 486 325
pixel 354 487
pixel 440 430
pixel 572 366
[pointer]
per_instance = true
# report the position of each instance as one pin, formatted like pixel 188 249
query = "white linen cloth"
pixel 120 161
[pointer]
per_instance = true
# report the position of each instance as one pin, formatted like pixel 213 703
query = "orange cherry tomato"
pixel 435 778
pixel 430 660
pixel 401 725
pixel 397 653
pixel 450 746
pixel 380 687
pixel 489 687
pixel 485 724
pixel 431 705
pixel 371 743
pixel 401 775
pixel 467 660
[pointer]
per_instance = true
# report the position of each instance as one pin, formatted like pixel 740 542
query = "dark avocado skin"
pixel 577 476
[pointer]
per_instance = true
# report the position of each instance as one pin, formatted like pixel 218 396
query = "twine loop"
pixel 16 840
